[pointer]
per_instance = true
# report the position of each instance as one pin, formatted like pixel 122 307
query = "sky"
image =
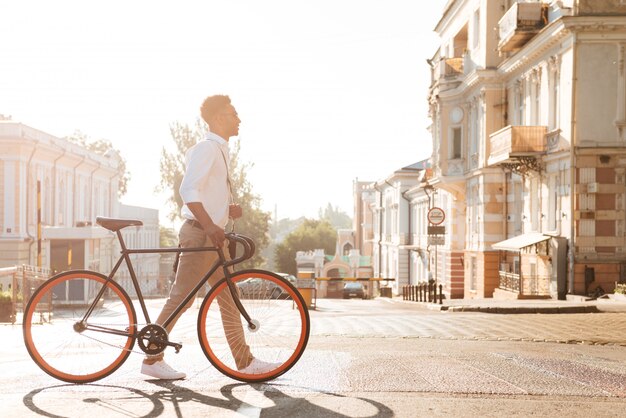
pixel 328 91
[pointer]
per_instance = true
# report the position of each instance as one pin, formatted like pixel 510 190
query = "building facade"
pixel 528 103
pixel 52 190
pixel 390 209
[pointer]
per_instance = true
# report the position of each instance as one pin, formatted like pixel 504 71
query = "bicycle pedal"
pixel 177 347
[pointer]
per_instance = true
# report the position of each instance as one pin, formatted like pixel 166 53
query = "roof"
pixel 520 241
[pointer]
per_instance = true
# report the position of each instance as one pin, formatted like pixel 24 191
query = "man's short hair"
pixel 212 105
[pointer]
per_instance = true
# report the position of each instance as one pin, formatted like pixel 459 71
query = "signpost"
pixel 436 216
pixel 436 233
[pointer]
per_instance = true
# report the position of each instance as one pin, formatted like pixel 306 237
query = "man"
pixel 205 191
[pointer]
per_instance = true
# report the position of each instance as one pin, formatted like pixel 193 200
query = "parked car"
pixel 255 288
pixel 289 277
pixel 353 290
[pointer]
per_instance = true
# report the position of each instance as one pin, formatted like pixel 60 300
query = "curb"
pixel 515 309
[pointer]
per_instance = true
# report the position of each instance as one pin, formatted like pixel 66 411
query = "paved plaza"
pixel 372 358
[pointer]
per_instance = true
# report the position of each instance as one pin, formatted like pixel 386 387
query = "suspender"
pixel 231 199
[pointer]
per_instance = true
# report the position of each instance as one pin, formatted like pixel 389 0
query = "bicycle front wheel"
pixel 64 343
pixel 275 341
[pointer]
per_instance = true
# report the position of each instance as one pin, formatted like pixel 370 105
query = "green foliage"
pixel 620 288
pixel 335 217
pixel 254 223
pixel 173 164
pixel 310 235
pixel 6 297
pixel 102 146
pixel 167 237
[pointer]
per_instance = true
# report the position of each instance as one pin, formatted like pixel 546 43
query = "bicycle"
pixel 92 327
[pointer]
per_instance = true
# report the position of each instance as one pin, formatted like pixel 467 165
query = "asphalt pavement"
pixel 365 358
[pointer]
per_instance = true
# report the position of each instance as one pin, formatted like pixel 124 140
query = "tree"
pixel 254 223
pixel 102 147
pixel 167 237
pixel 337 218
pixel 310 235
pixel 173 164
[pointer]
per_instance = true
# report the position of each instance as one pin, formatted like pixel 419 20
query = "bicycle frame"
pixel 125 257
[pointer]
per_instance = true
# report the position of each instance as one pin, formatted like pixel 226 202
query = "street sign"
pixel 436 216
pixel 436 230
pixel 436 240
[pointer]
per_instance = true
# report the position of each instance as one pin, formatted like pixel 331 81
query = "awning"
pixel 520 241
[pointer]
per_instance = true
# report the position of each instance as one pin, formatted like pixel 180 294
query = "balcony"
pixel 520 24
pixel 452 67
pixel 513 143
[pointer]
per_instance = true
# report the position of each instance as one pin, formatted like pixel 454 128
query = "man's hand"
pixel 235 211
pixel 216 234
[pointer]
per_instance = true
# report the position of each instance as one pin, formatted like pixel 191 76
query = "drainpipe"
pixel 111 194
pixel 91 201
pixel 28 168
pixel 55 215
pixel 572 168
pixel 410 240
pixel 74 190
pixel 380 228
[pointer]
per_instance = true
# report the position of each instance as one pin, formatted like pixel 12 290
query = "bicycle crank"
pixel 152 339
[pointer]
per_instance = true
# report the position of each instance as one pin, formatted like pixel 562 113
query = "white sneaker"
pixel 161 370
pixel 259 367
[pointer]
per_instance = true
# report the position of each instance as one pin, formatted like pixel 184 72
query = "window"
pixel 473 139
pixel 552 202
pixel 536 99
pixel 519 103
pixel 553 122
pixel 534 205
pixel 455 146
pixel 476 29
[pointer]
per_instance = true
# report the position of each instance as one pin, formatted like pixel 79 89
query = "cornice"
pixel 547 38
pixel 556 31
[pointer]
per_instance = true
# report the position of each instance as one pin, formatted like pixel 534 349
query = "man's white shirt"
pixel 206 178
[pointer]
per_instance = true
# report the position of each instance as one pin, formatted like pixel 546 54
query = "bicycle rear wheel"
pixel 281 331
pixel 62 344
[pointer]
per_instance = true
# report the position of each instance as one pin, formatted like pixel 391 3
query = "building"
pixel 347 263
pixel 147 267
pixel 528 109
pixel 52 190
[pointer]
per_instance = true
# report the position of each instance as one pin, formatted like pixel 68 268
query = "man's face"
pixel 230 120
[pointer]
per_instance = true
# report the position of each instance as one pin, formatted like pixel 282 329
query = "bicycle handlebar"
pixel 248 248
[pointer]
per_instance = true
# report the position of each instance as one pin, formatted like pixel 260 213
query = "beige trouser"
pixel 191 268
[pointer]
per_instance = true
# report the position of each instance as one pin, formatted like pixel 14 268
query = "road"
pixel 374 358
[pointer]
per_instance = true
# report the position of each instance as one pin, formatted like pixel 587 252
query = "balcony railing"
pixel 519 24
pixel 452 67
pixel 509 281
pixel 535 285
pixel 516 141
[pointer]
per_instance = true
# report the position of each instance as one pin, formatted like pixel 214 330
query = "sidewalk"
pixel 574 304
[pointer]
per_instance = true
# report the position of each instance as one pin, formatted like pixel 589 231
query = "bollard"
pixel 434 293
pixel 430 289
pixel 441 294
pixel 419 288
pixel 403 292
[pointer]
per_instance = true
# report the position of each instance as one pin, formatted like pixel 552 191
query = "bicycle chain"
pixel 115 345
